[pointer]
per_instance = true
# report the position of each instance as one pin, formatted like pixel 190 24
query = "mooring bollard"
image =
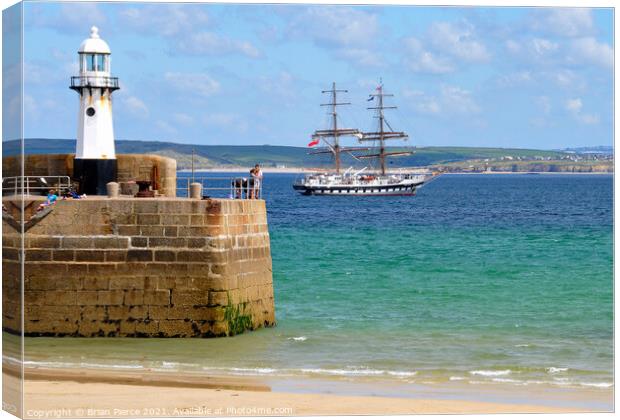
pixel 113 189
pixel 195 190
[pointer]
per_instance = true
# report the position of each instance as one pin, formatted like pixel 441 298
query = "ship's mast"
pixel 382 135
pixel 336 132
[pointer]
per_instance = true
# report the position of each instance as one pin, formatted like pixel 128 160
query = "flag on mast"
pixel 314 142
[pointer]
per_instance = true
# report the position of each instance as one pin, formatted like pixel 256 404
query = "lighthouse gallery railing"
pixel 78 82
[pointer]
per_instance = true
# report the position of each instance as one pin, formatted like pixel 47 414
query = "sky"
pixel 253 74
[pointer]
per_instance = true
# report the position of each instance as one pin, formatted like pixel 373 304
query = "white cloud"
pixel 590 51
pixel 164 126
pixel 423 103
pixel 566 22
pixel 513 46
pixel 165 19
pixel 182 119
pixel 361 56
pixel 420 60
pixel 544 103
pixel 335 26
pixel 74 17
pixel 225 120
pixel 458 40
pixel 451 100
pixel 348 33
pixel 136 107
pixel 219 119
pixel 209 43
pixel 575 107
pixel 199 83
pixel 184 26
pixel 543 46
pixel 444 46
pixel 516 78
pixel 459 100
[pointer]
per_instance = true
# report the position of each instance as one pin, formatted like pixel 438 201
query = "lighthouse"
pixel 95 158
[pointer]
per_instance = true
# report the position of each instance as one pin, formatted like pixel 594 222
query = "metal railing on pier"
pixel 222 187
pixel 35 185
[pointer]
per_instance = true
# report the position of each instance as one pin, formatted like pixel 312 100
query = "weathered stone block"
pixel 44 242
pixel 139 255
pixel 127 283
pixel 80 242
pixel 89 328
pixel 165 256
pixel 175 328
pixel 167 242
pixel 110 242
pixel 110 297
pixel 95 283
pixel 198 297
pixel 128 328
pixel 129 230
pixel 87 297
pixel 89 255
pixel 62 297
pixel 151 230
pixel 147 328
pixel 63 255
pixel 125 312
pixel 115 256
pixel 148 219
pixel 134 297
pixel 94 313
pixel 171 231
pixel 139 242
pixel 34 298
pixel 157 297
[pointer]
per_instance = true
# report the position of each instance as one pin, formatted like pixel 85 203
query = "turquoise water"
pixel 495 279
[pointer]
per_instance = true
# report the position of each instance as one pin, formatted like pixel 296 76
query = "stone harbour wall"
pixel 141 267
pixel 159 170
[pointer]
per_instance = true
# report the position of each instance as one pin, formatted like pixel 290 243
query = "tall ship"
pixel 375 178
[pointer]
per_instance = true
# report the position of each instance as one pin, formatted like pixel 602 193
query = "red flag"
pixel 313 143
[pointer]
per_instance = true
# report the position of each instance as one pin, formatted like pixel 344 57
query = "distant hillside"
pixel 222 156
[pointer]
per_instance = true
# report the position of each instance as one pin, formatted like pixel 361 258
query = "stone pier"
pixel 138 267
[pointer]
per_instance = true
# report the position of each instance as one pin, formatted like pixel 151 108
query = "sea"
pixel 478 280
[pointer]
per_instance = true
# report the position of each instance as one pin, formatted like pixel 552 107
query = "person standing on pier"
pixel 257 176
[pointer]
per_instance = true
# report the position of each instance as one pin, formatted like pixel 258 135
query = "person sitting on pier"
pixel 51 199
pixel 240 184
pixel 71 193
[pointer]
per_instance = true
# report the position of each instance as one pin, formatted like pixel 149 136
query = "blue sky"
pixel 253 74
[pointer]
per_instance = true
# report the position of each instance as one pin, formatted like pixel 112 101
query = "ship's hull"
pixel 395 189
pixel 361 184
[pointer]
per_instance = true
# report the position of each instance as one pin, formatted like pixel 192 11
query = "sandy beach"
pixel 58 393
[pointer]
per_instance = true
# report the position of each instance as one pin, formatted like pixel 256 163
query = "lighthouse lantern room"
pixel 95 158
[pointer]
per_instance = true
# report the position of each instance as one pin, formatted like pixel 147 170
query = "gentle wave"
pixel 490 372
pixel 553 370
pixel 302 338
pixel 495 376
pixel 345 372
pixel 598 384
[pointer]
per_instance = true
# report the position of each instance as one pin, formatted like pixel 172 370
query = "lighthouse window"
pixel 90 111
pixel 99 63
pixel 90 62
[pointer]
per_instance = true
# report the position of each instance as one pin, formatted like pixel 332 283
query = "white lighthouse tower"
pixel 95 157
